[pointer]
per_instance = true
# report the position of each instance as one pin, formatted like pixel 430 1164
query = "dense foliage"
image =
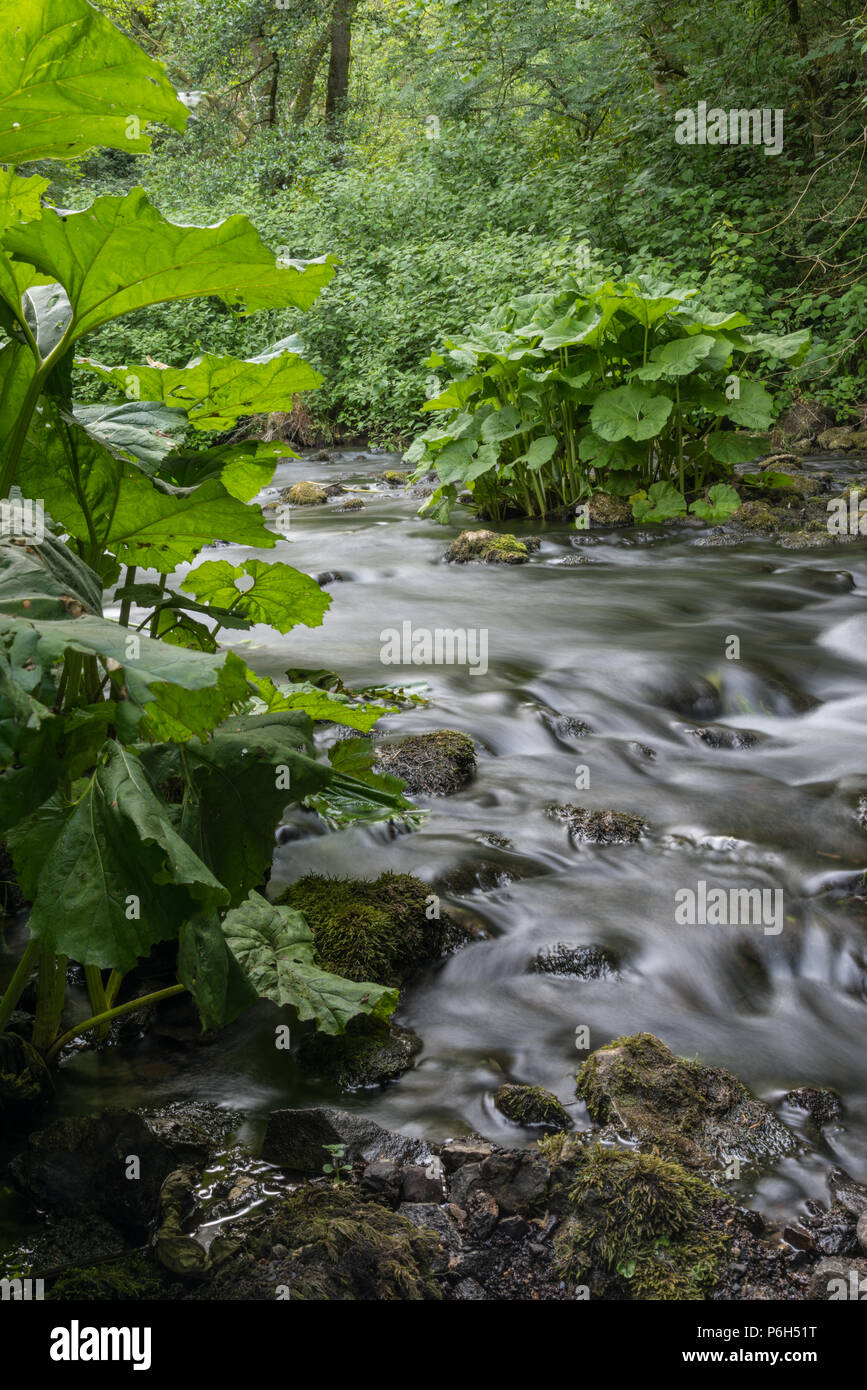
pixel 144 769
pixel 479 146
pixel 624 387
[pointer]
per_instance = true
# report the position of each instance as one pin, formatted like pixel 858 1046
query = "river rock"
pixel 517 1181
pixel 531 1106
pixel 436 764
pixel 839 1279
pixel 599 827
pixel 305 494
pixel 842 440
pixel 80 1165
pixel 371 930
pixel 607 510
pixel 820 1102
pixel 296 1139
pixel 487 547
pixel 369 1053
pixel 576 962
pixel 701 1116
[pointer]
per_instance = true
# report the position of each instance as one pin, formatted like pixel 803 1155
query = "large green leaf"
pixel 661 502
pixel 276 948
pixel 676 358
pixel 216 391
pixel 280 595
pixel 630 412
pixel 108 874
pixel 70 80
pixel 121 254
pixel 145 430
pixel 207 967
pixel 753 407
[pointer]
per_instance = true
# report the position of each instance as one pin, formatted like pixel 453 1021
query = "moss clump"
pixel 370 929
pixel 24 1077
pixel 755 516
pixel 698 1115
pixel 531 1105
pixel 305 494
pixel 607 510
pixel 644 1221
pixel 352 504
pixel 122 1281
pixel 343 1248
pixel 434 764
pixel 599 827
pixel 393 477
pixel 488 548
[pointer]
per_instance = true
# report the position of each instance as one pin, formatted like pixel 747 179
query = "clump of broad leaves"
pixel 625 387
pixel 143 767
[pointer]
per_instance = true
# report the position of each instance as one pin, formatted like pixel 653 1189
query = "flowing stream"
pixel 605 652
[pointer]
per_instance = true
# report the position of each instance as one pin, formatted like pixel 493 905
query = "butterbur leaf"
pixel 121 254
pixel 143 430
pixel 630 412
pixel 280 595
pixel 727 446
pixel 276 949
pixel 661 503
pixel 71 80
pixel 216 391
pixel 676 358
pixel 721 503
pixel 221 988
pixel 751 407
pixel 108 874
pixel 540 452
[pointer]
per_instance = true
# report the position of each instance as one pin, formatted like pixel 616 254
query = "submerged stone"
pixel 369 1053
pixel 531 1105
pixel 576 962
pixel 599 827
pixel 700 1116
pixel 821 1103
pixel 436 764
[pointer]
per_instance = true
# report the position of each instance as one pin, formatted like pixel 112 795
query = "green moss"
pixel 369 929
pixel 531 1105
pixel 343 1248
pixel 306 494
pixel 488 548
pixel 644 1221
pixel 124 1281
pixel 369 1053
pixel 394 478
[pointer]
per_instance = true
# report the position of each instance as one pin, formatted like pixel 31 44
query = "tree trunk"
pixel 307 80
pixel 338 63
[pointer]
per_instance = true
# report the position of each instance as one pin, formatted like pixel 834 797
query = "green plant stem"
pixel 114 983
pixel 126 605
pixel 19 981
pixel 110 1014
pixel 97 996
pixel 45 1023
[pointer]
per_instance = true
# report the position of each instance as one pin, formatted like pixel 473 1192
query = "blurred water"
pixel 632 643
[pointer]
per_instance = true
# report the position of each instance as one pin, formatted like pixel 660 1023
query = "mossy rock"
pixel 531 1105
pixel 24 1076
pixel 119 1281
pixel 436 764
pixel 640 1227
pixel 599 827
pixel 700 1116
pixel 754 516
pixel 371 929
pixel 370 1053
pixel 393 477
pixel 843 439
pixel 607 510
pixel 352 504
pixel 326 1243
pixel 487 548
pixel 306 494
